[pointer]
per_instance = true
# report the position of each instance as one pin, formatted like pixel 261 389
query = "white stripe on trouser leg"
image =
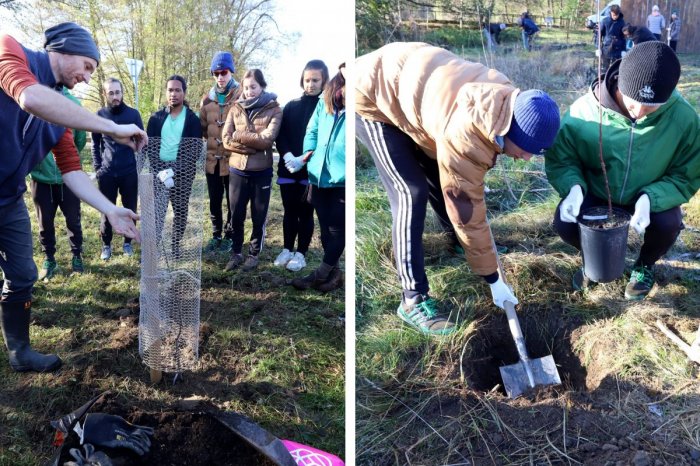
pixel 373 131
pixel 405 205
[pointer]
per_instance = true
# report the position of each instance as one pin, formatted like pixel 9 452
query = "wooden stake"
pixel 156 376
pixel 692 351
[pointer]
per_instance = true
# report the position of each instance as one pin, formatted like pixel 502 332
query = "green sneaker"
pixel 421 313
pixel 581 282
pixel 640 284
pixel 77 264
pixel 225 245
pixel 48 270
pixel 213 245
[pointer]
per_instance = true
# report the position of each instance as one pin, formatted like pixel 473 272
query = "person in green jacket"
pixel 651 149
pixel 49 194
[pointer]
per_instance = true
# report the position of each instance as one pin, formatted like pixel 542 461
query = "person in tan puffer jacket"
pixel 251 128
pixel 434 124
pixel 214 109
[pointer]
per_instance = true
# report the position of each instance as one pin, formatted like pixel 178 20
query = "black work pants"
pixel 659 236
pixel 48 198
pixel 242 190
pixel 330 209
pixel 217 187
pixel 298 219
pixel 127 186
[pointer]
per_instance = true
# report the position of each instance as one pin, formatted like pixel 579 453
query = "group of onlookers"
pixel 240 122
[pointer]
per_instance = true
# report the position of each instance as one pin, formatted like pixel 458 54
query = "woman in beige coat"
pixel 250 130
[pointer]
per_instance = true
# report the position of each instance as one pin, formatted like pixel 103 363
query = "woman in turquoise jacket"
pixel 324 151
pixel 651 148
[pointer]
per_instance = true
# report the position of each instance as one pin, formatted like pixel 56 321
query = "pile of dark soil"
pixel 587 419
pixel 180 438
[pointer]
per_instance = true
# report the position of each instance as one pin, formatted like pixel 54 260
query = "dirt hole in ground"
pixel 179 438
pixel 546 333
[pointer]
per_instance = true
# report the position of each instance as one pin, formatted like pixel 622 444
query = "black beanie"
pixel 649 73
pixel 71 39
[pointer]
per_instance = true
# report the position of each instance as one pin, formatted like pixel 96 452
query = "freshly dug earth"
pixel 180 438
pixel 589 418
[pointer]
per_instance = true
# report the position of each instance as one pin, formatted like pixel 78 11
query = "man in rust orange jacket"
pixel 434 124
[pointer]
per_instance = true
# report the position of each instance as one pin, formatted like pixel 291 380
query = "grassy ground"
pixel 268 351
pixel 629 396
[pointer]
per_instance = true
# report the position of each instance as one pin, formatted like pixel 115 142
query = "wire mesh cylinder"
pixel 172 197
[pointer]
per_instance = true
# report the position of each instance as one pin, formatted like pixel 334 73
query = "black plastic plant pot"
pixel 604 243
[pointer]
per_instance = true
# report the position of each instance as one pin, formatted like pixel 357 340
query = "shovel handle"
pixel 519 338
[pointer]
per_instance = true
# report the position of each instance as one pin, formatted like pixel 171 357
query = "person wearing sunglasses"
pixel 214 109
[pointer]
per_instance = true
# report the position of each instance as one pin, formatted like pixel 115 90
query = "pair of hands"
pixel 571 207
pixel 130 135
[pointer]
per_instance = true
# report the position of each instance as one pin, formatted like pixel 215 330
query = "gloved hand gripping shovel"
pixel 527 373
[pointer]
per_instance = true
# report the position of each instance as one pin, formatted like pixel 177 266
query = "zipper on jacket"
pixel 629 159
pixel 328 146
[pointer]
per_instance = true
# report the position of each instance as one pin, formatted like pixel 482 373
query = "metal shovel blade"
pixel 516 380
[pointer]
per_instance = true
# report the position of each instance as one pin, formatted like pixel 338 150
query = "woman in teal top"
pixel 324 147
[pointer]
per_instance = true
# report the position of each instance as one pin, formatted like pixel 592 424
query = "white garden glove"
pixel 571 205
pixel 293 164
pixel 502 293
pixel 640 220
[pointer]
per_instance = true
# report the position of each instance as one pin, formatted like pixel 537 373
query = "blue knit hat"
pixel 222 61
pixel 535 121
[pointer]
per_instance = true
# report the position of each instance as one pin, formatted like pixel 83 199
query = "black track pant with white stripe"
pixel 411 180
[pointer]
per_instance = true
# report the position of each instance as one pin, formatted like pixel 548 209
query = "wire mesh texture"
pixel 172 198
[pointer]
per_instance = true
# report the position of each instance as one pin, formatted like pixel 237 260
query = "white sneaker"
pixel 106 253
pixel 297 262
pixel 283 258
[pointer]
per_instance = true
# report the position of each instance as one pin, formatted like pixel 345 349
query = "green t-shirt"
pixel 170 136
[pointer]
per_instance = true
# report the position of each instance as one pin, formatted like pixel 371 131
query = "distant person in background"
pixel 49 194
pixel 529 30
pixel 612 37
pixel 298 219
pixel 656 22
pixel 114 163
pixel 674 31
pixel 492 33
pixel 636 35
pixel 213 111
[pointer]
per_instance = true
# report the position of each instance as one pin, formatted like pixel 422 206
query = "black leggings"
pixel 217 186
pixel 243 189
pixel 658 238
pixel 298 220
pixel 330 209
